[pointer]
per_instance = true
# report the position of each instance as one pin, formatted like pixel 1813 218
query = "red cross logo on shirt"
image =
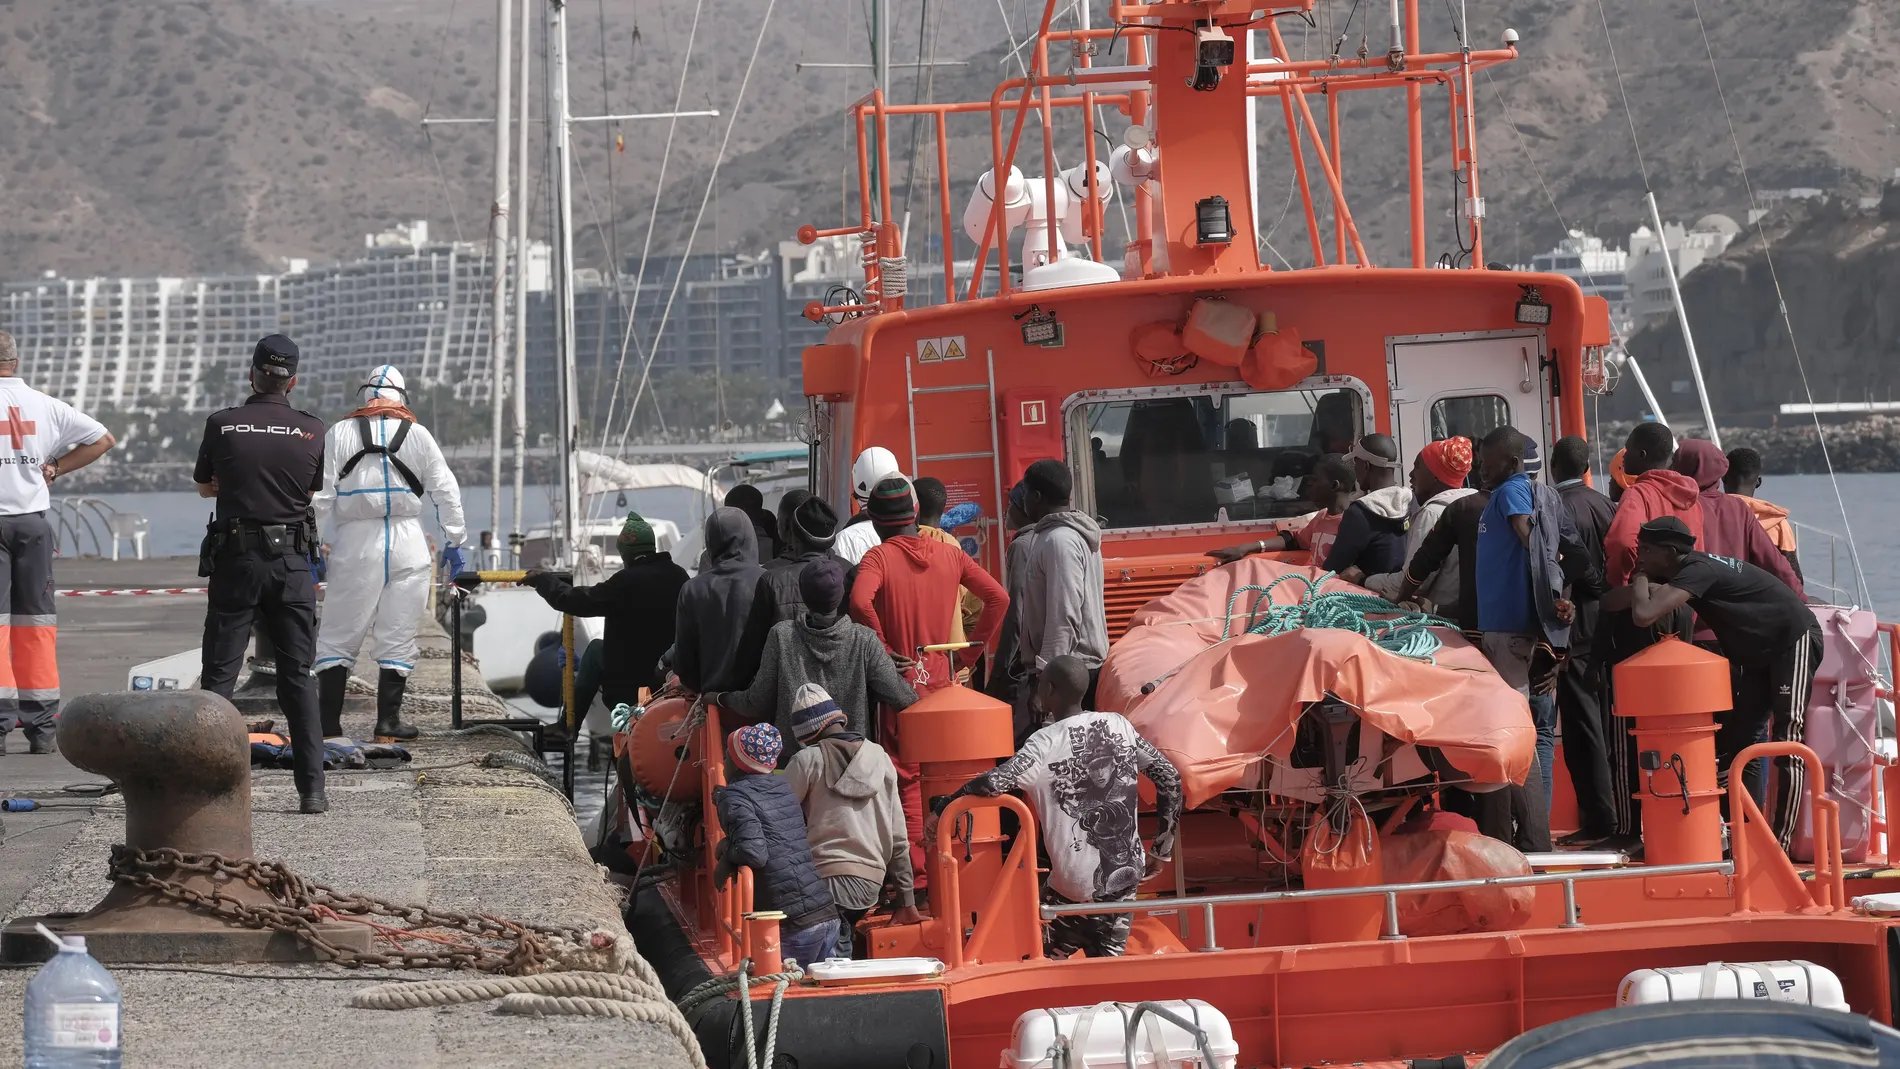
pixel 17 428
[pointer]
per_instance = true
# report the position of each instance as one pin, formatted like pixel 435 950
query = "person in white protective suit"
pixel 857 536
pixel 377 464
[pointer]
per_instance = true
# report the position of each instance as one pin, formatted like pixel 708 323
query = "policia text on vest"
pixel 263 460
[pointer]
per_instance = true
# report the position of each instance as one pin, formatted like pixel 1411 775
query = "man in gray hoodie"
pixel 847 787
pixel 823 647
pixel 713 605
pixel 1062 612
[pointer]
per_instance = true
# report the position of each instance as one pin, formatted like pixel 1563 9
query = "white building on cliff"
pixel 1689 247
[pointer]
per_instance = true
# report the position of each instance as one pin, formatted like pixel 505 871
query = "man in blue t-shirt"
pixel 1507 617
pixel 1522 615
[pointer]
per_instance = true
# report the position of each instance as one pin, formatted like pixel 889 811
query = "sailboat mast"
pixel 1682 319
pixel 521 278
pixel 498 260
pixel 559 133
pixel 881 78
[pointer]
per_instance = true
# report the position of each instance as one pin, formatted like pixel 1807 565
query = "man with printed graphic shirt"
pixel 1080 776
pixel 41 439
pixel 1769 635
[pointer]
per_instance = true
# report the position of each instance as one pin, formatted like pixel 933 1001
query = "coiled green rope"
pixel 1402 631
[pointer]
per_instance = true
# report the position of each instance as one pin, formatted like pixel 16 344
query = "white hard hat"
pixel 385 382
pixel 874 465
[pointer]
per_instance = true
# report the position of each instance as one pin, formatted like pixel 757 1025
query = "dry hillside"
pixel 206 135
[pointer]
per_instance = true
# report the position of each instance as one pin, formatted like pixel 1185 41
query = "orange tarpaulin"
pixel 1226 704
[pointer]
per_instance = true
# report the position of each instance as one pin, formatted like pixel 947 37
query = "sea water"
pixel 1872 513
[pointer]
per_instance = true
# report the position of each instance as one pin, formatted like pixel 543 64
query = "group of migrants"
pixel 1558 582
pixel 813 634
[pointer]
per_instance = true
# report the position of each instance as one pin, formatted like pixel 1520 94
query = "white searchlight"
pixel 1016 206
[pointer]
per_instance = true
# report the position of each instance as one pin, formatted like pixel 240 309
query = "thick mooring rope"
pixel 1405 632
pixel 555 994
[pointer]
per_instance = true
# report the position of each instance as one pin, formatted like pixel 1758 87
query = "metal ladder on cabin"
pixel 994 454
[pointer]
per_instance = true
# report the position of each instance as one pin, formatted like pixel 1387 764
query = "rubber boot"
pixel 390 685
pixel 331 685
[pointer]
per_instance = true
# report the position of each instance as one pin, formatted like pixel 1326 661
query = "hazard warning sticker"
pixel 938 350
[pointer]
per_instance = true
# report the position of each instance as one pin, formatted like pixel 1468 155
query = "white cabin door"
pixel 1468 384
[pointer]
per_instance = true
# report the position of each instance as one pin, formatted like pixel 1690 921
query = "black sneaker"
pixel 1582 840
pixel 42 746
pixel 313 803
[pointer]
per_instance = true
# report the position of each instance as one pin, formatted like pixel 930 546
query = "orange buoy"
pixel 663 750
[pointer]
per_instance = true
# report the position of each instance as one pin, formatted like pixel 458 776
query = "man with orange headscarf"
pixel 1438 479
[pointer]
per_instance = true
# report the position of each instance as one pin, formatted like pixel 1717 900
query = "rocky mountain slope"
pixel 207 135
pixel 1839 268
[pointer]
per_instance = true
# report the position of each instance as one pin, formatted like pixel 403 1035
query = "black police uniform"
pixel 267 458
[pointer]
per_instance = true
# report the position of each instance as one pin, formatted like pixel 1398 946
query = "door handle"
pixel 1529 384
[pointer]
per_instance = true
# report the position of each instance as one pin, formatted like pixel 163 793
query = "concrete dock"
pixel 447 832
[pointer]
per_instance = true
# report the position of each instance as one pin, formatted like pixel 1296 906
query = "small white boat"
pixel 674 498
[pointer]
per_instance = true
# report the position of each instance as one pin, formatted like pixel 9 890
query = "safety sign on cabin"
pixel 938 350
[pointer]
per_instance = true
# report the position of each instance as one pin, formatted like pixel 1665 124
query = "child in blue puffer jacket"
pixel 765 831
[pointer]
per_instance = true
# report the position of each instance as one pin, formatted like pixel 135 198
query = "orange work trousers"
pixel 29 626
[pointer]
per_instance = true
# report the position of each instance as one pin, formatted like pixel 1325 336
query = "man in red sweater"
pixel 906 591
pixel 1654 491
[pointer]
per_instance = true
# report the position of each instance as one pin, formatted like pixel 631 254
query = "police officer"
pixel 262 460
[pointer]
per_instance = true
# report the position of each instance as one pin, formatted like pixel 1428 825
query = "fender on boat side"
pixel 814 1032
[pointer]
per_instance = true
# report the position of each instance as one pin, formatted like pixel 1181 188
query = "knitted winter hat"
pixel 893 503
pixel 821 585
pixel 1533 462
pixel 816 522
pixel 1449 460
pixel 636 536
pixel 812 711
pixel 755 748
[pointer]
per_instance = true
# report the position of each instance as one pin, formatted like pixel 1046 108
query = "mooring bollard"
pixel 181 759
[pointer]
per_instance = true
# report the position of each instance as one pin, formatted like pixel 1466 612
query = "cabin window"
pixel 1182 460
pixel 1469 417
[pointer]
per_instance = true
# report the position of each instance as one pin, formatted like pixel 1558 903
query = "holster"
pixel 208 549
pixel 310 539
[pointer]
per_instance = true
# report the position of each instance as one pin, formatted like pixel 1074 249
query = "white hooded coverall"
pixel 380 564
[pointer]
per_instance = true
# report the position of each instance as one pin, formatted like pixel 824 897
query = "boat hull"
pixel 837 1028
pixel 1375 1001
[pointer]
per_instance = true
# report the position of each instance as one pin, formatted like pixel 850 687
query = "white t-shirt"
pixel 34 429
pixel 854 541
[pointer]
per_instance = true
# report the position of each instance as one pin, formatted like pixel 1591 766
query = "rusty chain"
pixel 300 906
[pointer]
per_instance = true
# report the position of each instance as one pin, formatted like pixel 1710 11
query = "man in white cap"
pixel 377 463
pixel 856 538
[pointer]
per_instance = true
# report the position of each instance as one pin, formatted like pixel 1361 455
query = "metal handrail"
pixel 1830 888
pixel 1391 891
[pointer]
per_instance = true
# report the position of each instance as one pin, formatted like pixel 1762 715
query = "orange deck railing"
pixel 1130 87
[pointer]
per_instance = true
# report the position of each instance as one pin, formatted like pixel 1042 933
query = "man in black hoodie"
pixel 714 604
pixel 806 530
pixel 638 602
pixel 1371 538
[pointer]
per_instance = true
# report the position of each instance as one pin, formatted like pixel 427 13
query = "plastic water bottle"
pixel 72 1011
